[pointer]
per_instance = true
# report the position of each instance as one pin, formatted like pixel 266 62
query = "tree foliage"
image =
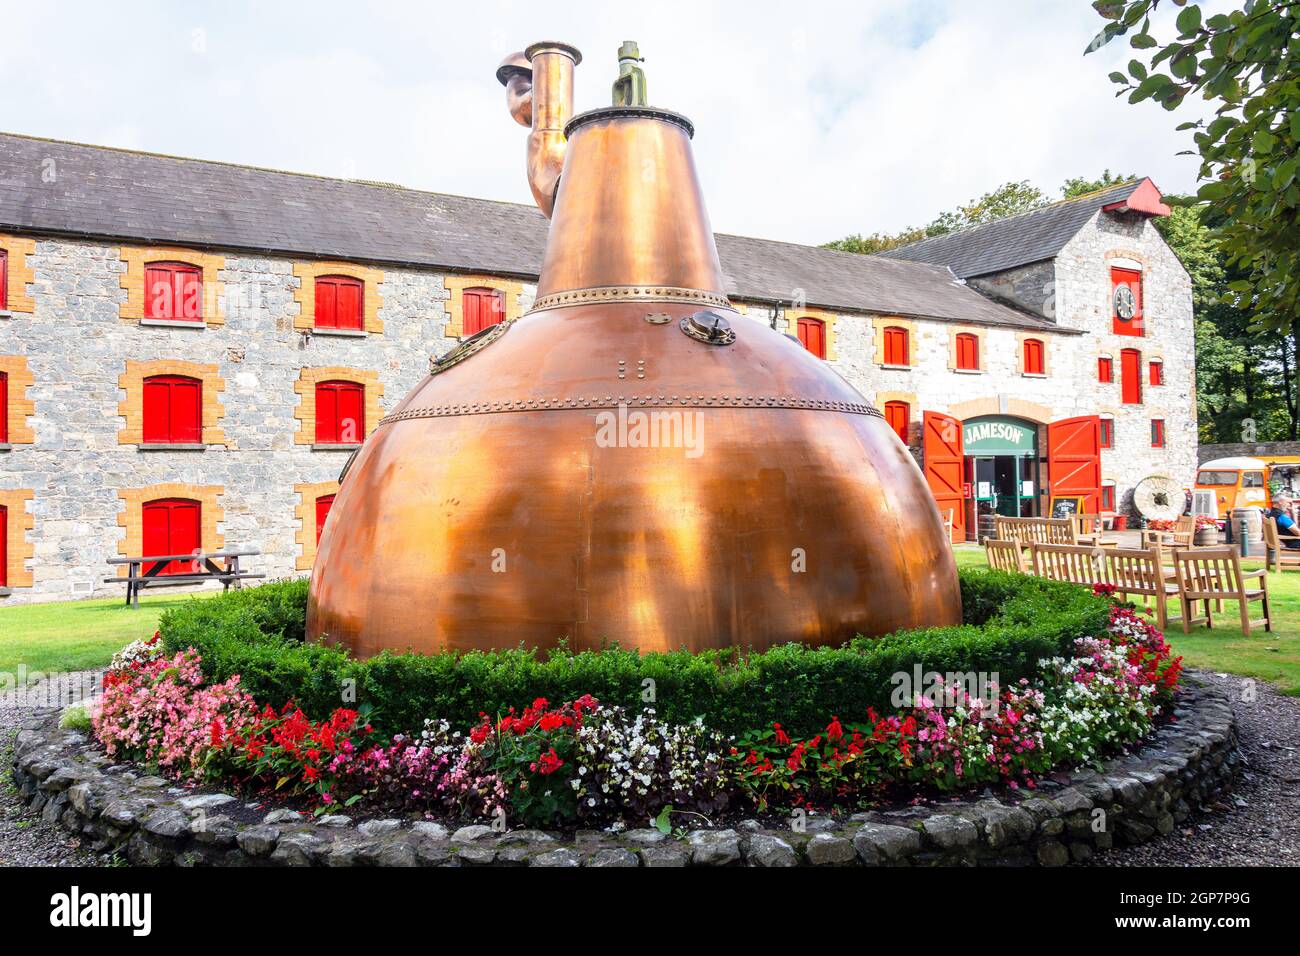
pixel 1247 63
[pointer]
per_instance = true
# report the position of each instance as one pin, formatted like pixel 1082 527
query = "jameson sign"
pixel 998 436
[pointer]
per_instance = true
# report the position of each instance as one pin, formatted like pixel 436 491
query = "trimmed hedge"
pixel 1012 622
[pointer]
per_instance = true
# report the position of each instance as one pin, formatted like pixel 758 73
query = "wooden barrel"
pixel 1254 525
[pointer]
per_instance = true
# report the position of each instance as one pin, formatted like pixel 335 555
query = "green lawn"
pixel 80 634
pixel 1272 656
pixel 74 635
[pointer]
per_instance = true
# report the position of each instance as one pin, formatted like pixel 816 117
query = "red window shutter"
pixel 812 335
pixel 1157 433
pixel 172 410
pixel 4 546
pixel 340 413
pixel 897 414
pixel 481 308
pixel 968 352
pixel 1105 370
pixel 173 291
pixel 1157 372
pixel 4 407
pixel 339 302
pixel 896 346
pixel 1133 280
pixel 1107 433
pixel 4 279
pixel 1033 352
pixel 1107 497
pixel 323 505
pixel 326 304
pixel 1130 372
pixel 171 526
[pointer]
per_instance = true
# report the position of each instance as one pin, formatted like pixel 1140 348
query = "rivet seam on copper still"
pixel 629 293
pixel 694 401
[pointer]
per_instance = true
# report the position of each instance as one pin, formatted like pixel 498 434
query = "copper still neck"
pixel 628 215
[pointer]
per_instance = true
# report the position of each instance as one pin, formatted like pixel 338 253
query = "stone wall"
pixel 1134 798
pixel 77 345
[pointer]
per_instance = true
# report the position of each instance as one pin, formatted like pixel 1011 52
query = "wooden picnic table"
pixel 139 576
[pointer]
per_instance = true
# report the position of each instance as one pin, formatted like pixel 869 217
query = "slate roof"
pixel 1015 241
pixel 126 196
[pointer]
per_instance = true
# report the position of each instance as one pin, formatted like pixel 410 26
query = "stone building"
pixel 189 350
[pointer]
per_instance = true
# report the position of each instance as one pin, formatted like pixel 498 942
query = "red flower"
pixel 781 737
pixel 833 730
pixel 547 763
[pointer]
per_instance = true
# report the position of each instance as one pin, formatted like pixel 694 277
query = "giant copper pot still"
pixel 633 461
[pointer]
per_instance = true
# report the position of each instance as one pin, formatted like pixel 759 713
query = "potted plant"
pixel 1207 531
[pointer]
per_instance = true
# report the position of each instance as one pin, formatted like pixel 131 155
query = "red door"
pixel 1130 376
pixel 812 333
pixel 174 291
pixel 482 308
pixel 4 407
pixel 171 526
pixel 944 463
pixel 897 414
pixel 172 409
pixel 4 546
pixel 323 505
pixel 1074 459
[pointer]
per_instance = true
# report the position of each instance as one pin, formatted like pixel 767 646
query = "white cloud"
pixel 814 120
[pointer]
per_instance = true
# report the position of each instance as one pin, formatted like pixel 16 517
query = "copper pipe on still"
pixel 539 94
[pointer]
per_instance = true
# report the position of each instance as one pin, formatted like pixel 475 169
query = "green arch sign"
pixel 999 435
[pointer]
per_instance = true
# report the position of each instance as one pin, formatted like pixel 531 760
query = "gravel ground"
pixel 25 839
pixel 1259 825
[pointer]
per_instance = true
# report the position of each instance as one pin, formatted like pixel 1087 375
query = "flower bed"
pixel 589 761
pixel 1011 622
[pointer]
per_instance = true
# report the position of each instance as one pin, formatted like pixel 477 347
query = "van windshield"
pixel 1217 478
pixel 1252 479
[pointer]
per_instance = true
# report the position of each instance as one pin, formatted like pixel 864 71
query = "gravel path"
pixel 1259 824
pixel 25 839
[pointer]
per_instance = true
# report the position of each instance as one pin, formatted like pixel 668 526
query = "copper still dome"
pixel 633 461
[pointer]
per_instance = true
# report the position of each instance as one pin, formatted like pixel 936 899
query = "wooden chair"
pixel 1078 564
pixel 947 515
pixel 1087 530
pixel 1041 530
pixel 1214 574
pixel 1133 571
pixel 1277 557
pixel 1183 532
pixel 1005 556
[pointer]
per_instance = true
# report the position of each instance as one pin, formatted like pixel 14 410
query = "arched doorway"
pixel 1002 471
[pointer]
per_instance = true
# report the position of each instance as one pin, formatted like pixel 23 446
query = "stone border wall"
pixel 66 777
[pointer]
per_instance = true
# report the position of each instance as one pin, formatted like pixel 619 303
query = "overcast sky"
pixel 814 119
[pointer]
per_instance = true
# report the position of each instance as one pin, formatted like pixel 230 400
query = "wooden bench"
pixel 204 567
pixel 1029 531
pixel 1005 556
pixel 1075 563
pixel 1215 575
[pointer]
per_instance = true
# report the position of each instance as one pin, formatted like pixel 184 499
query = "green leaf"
pixel 1263 141
pixel 662 822
pixel 1118 77
pixel 1189 21
pixel 1137 70
pixel 1142 41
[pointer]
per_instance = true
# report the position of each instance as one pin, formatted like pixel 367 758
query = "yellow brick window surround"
pixel 827 319
pixel 881 322
pixel 305 387
pixel 981 351
pixel 131 517
pixel 305 513
pixel 18 378
pixel 132 280
pixel 1021 338
pixel 305 295
pixel 20 272
pixel 131 407
pixel 17 549
pixel 511 290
